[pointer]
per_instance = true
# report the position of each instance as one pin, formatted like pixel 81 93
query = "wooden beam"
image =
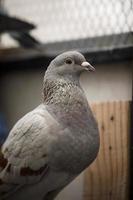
pixel 95 49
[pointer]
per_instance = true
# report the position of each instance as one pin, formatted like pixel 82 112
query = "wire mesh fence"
pixel 64 20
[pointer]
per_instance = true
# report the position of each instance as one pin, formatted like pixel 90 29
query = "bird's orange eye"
pixel 69 61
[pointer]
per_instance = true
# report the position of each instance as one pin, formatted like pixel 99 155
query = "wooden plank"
pixel 108 177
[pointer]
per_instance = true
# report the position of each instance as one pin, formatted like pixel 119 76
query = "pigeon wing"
pixel 24 155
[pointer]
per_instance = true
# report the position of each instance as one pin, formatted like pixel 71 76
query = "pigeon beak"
pixel 88 66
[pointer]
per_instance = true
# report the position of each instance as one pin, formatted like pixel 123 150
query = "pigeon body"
pixel 55 142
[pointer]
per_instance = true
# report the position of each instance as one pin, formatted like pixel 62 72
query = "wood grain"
pixel 108 177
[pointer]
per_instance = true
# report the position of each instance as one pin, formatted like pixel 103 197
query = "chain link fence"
pixel 65 20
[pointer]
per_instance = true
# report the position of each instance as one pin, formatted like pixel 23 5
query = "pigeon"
pixel 51 145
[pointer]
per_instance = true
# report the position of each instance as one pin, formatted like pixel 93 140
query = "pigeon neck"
pixel 60 91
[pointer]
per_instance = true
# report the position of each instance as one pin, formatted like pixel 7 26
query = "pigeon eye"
pixel 69 61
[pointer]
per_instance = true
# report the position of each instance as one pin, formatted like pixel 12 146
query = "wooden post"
pixel 108 177
pixel 131 150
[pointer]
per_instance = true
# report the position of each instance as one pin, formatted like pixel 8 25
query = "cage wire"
pixel 65 20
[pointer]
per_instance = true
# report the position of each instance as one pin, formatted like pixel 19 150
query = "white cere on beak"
pixel 87 66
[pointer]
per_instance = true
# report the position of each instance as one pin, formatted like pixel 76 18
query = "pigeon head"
pixel 69 63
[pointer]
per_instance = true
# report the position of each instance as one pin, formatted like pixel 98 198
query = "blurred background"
pixel 63 20
pixel 34 32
